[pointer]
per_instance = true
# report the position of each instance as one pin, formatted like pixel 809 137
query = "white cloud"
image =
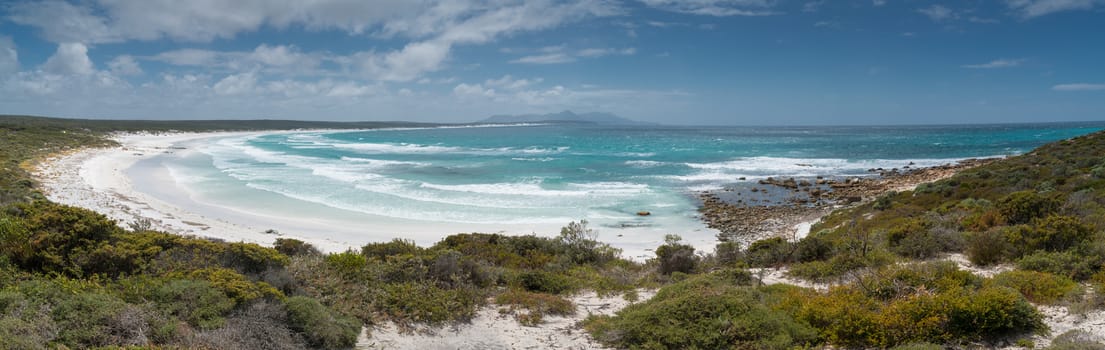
pixel 124 65
pixel 812 6
pixel 188 57
pixel 599 52
pixel 661 24
pixel 548 58
pixel 508 82
pixel 9 56
pixel 878 2
pixel 433 28
pixel 70 58
pixel 998 63
pixel 470 21
pixel 558 54
pixel 236 84
pixel 466 90
pixel 1079 87
pixel 410 62
pixel 282 56
pixel 1036 8
pixel 718 8
pixel 983 20
pixel 938 12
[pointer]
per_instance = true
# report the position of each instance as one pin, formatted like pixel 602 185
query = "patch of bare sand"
pixel 491 329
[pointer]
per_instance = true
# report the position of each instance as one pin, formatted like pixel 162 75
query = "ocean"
pixel 381 184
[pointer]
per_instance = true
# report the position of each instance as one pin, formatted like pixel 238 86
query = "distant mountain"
pixel 562 117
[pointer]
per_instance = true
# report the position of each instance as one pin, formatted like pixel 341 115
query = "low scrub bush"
pixel 347 262
pixel 850 316
pixel 237 287
pixel 395 247
pixel 1067 263
pixel 259 325
pixel 538 305
pixel 675 256
pixel 709 311
pixel 769 252
pixel 1055 233
pixel 89 320
pixel 197 302
pixel 294 247
pixel 988 247
pixel 544 282
pixel 1024 206
pixel 322 327
pixel 1038 287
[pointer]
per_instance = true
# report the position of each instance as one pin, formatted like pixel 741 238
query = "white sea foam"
pixel 535 189
pixel 534 159
pixel 383 162
pixel 644 163
pixel 826 166
pixel 401 148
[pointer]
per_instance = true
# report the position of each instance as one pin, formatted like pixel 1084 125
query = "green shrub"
pixel 453 269
pixel 323 328
pixel 196 302
pixel 992 313
pixel 538 305
pixel 728 253
pixel 294 247
pixel 1067 263
pixel 812 248
pixel 259 325
pixel 544 282
pixel 988 247
pixel 426 303
pixel 237 287
pixel 934 302
pixel 249 258
pixel 23 323
pixel 1038 287
pixel 348 262
pixel 59 236
pixel 88 320
pixel 395 247
pixel 702 312
pixel 1056 233
pixel 884 201
pixel 840 265
pixel 582 245
pixel 1024 206
pixel 675 256
pixel 769 252
pixel 927 242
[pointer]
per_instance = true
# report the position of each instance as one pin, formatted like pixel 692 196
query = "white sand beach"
pixel 96 179
pixel 114 181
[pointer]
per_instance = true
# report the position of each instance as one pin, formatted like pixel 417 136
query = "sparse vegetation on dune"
pixel 70 277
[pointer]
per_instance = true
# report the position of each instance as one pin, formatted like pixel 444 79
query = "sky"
pixel 700 62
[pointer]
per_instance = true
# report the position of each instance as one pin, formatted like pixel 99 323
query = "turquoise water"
pixel 553 174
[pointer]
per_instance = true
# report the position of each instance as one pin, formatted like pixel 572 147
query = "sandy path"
pixel 491 329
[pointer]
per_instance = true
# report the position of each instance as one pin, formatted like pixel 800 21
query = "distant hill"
pixel 562 117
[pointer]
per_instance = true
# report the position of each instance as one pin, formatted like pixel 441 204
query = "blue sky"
pixel 721 62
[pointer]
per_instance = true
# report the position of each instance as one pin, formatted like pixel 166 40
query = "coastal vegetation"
pixel 70 277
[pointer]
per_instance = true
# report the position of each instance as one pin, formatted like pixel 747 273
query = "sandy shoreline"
pixel 96 179
pixel 126 184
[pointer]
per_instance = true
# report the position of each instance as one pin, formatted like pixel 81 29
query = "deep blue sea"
pixel 552 174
